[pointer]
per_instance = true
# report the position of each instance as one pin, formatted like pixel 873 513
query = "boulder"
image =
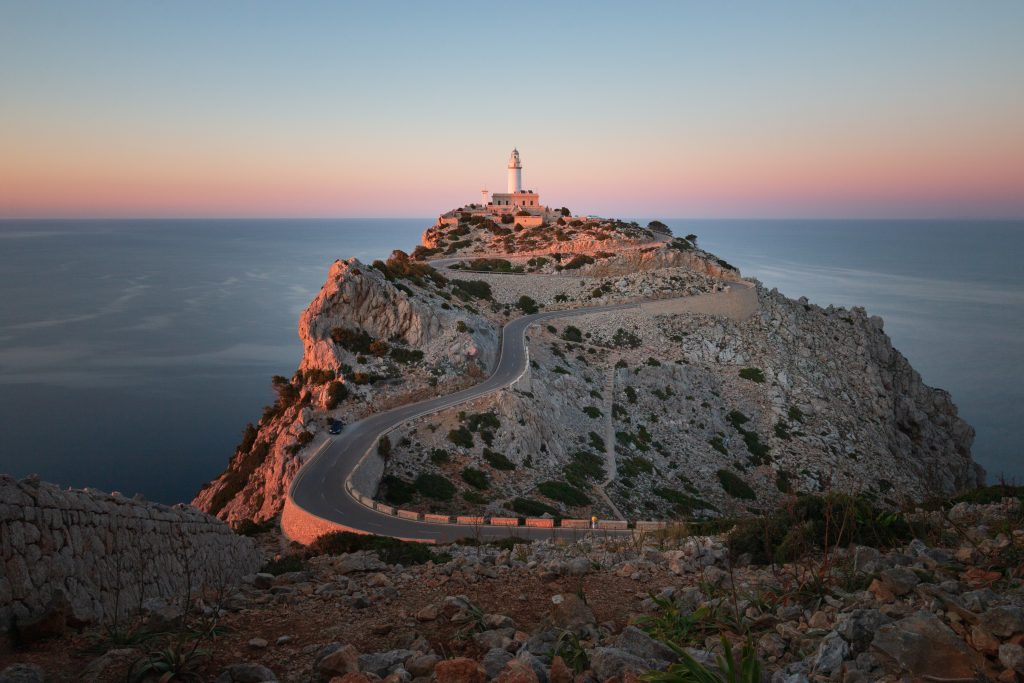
pixel 568 611
pixel 636 642
pixel 495 660
pixel 1011 656
pixel 459 670
pixel 517 671
pixel 1003 621
pixel 340 661
pixel 249 672
pixel 921 646
pixel 608 662
pixel 383 663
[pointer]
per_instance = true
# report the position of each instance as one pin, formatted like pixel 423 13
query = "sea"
pixel 133 352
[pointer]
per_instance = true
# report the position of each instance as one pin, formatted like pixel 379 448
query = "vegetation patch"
pixel 498 460
pixel 735 486
pixel 461 437
pixel 563 492
pixel 532 508
pixel 753 374
pixel 434 486
pixel 390 550
pixel 475 478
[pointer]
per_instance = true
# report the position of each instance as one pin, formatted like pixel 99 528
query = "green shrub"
pixel 317 376
pixel 622 338
pixel 471 289
pixel 592 412
pixel 572 334
pixel 578 261
pixel 284 564
pixel 439 456
pixel 781 430
pixel 475 478
pixel 532 508
pixel 583 467
pixel 735 486
pixel 390 550
pixel 355 341
pixel 336 393
pixel 563 492
pixel 498 460
pixel 630 394
pixel 396 491
pixel 434 486
pixel 461 437
pixel 527 305
pixel 384 447
pixel 681 503
pixel 717 443
pixel 478 420
pixel 406 356
pixel 632 467
pixel 596 442
pixel 796 414
pixel 753 374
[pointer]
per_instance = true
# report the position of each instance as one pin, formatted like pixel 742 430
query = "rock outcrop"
pixel 676 408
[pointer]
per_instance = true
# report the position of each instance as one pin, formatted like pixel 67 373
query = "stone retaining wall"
pixel 107 554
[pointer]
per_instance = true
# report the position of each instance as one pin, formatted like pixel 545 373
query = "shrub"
pixel 407 355
pixel 434 486
pixel 814 522
pixel 735 486
pixel 439 456
pixel 304 437
pixel 317 376
pixel 532 508
pixel 781 430
pixel 475 478
pixel 681 503
pixel 563 492
pixel 249 435
pixel 630 394
pixel 795 414
pixel 384 447
pixel 396 491
pixel 498 460
pixel 596 442
pixel 283 565
pixel 578 261
pixel 592 412
pixel 632 467
pixel 356 341
pixel 717 443
pixel 478 420
pixel 390 550
pixel 461 437
pixel 471 289
pixel 622 338
pixel 336 393
pixel 658 226
pixel 572 334
pixel 527 305
pixel 584 466
pixel 753 374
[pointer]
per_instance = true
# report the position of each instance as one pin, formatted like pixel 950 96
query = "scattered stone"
pixel 257 644
pixel 1003 621
pixel 246 673
pixel 1011 655
pixel 459 670
pixel 607 662
pixel 383 663
pixel 339 661
pixel 495 660
pixel 570 612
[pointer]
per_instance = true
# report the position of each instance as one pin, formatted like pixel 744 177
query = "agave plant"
pixel 178 661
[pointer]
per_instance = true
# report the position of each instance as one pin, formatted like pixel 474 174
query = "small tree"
pixel 384 447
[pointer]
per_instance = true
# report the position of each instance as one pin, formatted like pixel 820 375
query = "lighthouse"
pixel 515 173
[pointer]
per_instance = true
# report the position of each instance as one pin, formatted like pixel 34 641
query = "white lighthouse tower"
pixel 515 173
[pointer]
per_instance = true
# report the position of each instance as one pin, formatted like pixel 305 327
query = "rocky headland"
pixel 714 396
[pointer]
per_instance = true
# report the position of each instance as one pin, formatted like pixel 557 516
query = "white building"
pixel 516 198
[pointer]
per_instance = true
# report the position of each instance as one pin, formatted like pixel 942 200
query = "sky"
pixel 393 109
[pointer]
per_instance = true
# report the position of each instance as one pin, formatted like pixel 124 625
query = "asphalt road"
pixel 319 487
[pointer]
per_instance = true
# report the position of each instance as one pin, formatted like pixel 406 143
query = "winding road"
pixel 319 487
pixel 319 493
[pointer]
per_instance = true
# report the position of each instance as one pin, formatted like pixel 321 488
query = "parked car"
pixel 336 426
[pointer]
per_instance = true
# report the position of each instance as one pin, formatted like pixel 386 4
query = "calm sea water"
pixel 132 353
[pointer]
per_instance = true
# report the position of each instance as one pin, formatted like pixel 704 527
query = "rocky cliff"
pixel 375 336
pixel 695 403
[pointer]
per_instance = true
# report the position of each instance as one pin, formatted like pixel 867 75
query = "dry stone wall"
pixel 104 555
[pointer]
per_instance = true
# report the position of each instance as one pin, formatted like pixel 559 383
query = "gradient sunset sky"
pixel 638 109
